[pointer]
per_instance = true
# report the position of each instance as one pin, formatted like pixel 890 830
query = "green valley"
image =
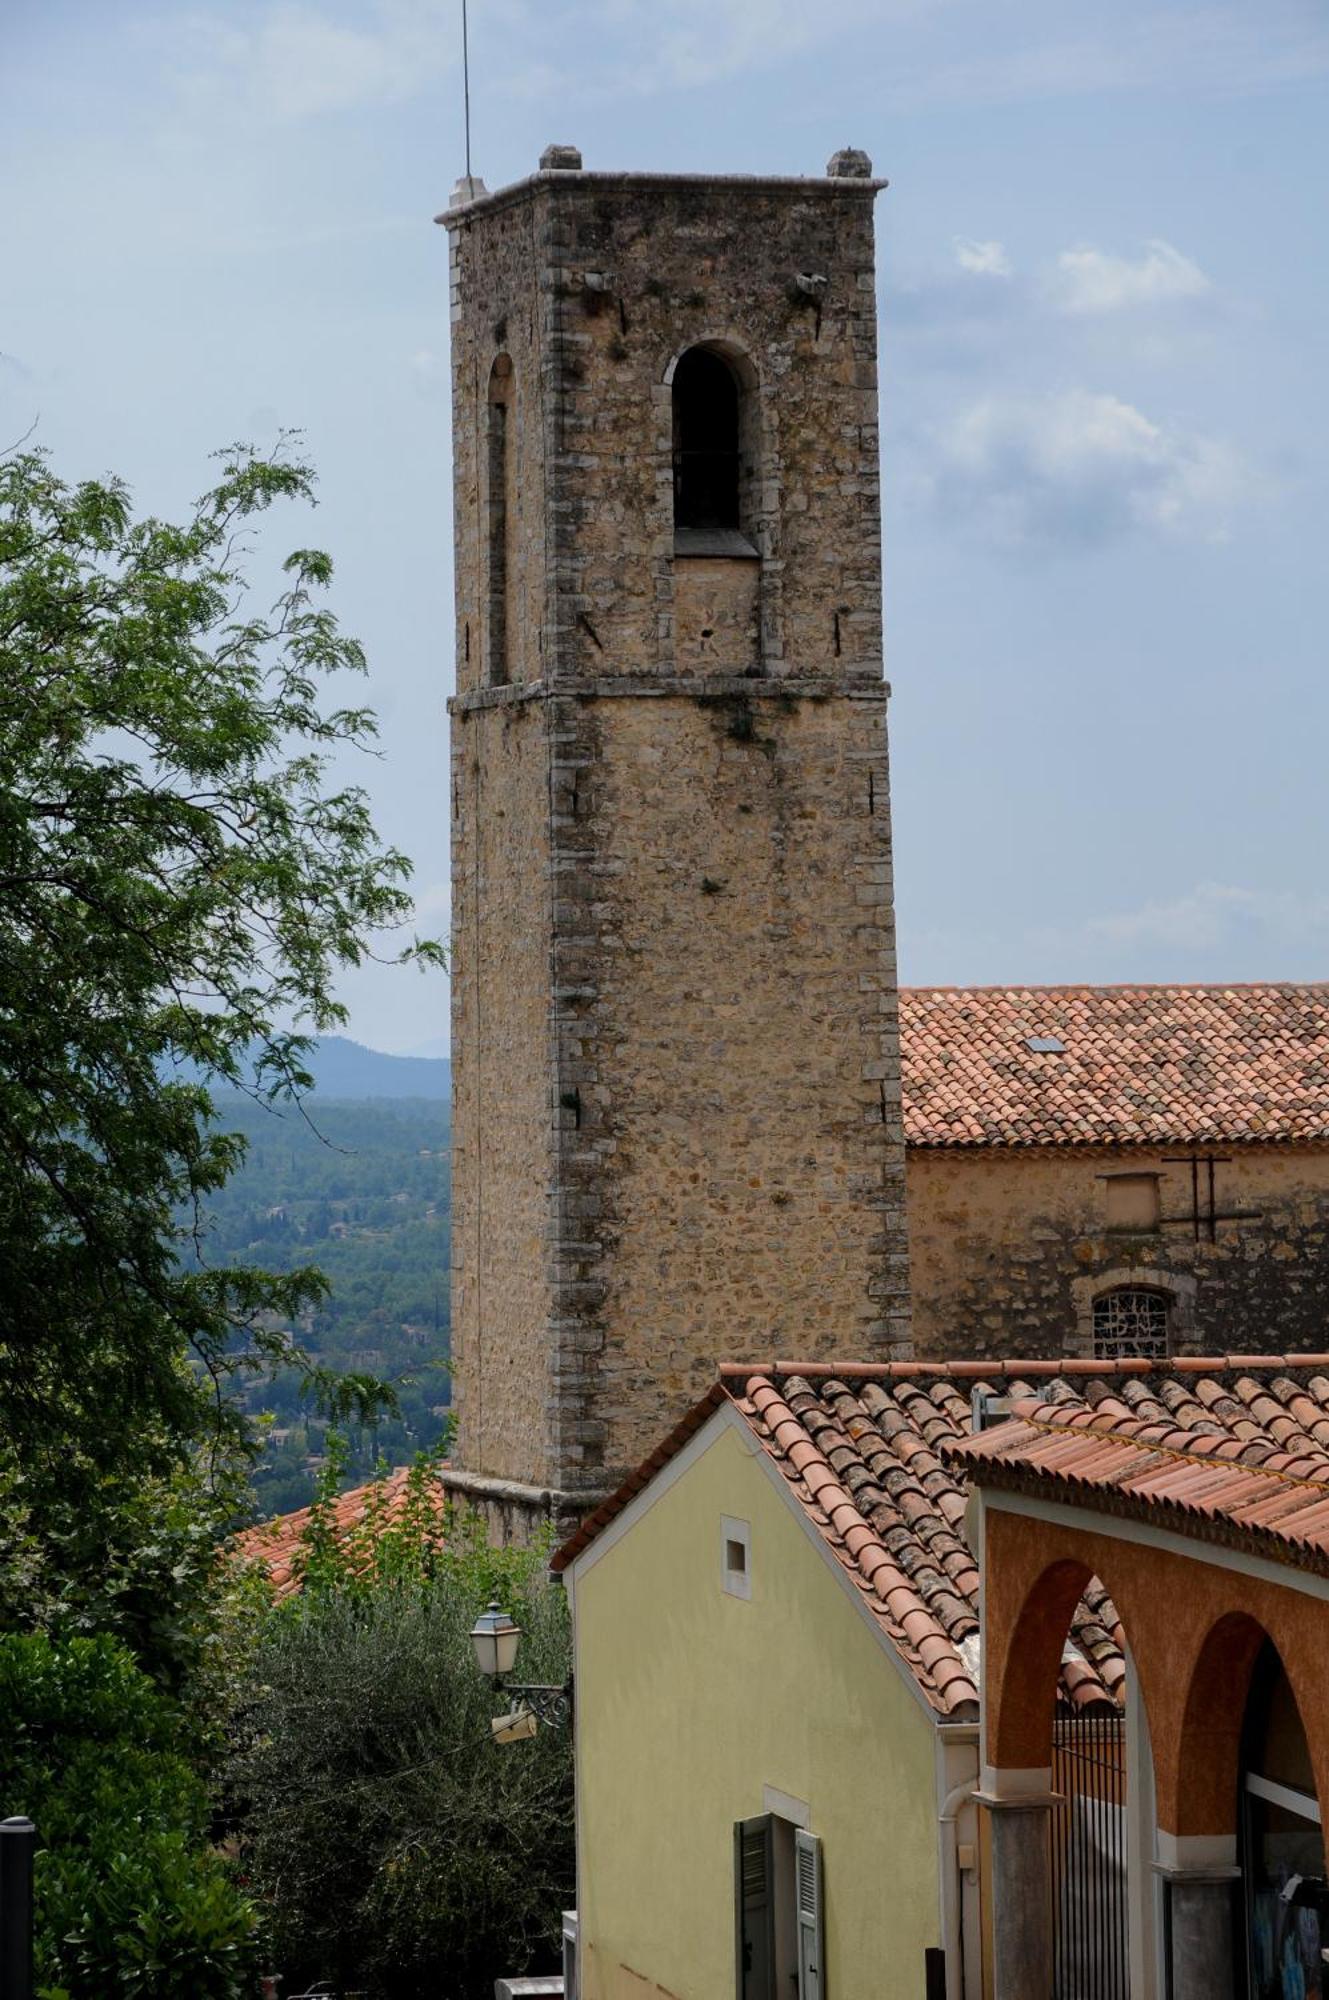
pixel 360 1189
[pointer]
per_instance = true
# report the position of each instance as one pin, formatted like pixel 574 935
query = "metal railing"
pixel 1091 1935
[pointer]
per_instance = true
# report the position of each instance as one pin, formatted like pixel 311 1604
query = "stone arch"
pixel 712 362
pixel 1179 1287
pixel 1048 1574
pixel 729 349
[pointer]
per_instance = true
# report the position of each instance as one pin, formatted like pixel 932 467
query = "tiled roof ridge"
pixel 1138 986
pixel 276 1544
pixel 343 1505
pixel 1249 1504
pixel 871 1454
pixel 1051 1420
pixel 981 1371
pixel 920 1630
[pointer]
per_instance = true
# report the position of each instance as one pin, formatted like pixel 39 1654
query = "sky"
pixel 1104 295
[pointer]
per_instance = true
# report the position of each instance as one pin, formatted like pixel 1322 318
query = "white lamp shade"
pixel 495 1638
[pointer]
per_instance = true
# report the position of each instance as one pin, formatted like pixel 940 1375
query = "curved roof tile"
pixel 876 1456
pixel 1138 1065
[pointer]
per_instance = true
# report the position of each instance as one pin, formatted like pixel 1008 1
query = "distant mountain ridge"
pixel 343 1068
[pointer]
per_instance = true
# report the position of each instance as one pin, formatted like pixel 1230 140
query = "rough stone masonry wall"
pixel 1007 1249
pixel 502 1125
pixel 681 264
pixel 733 1163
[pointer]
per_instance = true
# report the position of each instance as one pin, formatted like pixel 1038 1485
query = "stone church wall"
pixel 736 1059
pixel 1008 1249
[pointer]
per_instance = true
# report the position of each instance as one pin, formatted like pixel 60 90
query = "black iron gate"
pixel 1090 1922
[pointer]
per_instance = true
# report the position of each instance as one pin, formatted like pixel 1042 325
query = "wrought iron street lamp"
pixel 496 1638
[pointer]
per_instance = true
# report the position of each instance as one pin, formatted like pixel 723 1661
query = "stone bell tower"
pixel 677 1134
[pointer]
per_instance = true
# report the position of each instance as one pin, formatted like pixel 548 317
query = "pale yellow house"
pixel 731 1675
pixel 750 1674
pixel 777 1664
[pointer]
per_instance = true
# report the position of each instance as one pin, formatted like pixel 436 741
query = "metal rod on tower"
pixel 466 83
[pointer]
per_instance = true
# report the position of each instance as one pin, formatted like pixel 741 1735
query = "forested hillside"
pixel 361 1190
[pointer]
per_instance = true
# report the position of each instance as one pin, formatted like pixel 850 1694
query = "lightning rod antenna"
pixel 466 84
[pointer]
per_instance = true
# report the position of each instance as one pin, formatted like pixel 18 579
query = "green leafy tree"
pixel 395 1848
pixel 130 1899
pixel 182 880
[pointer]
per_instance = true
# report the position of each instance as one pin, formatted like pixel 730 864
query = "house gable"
pixel 696 1707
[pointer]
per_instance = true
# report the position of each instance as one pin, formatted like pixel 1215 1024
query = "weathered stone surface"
pixel 1008 1249
pixel 677 1120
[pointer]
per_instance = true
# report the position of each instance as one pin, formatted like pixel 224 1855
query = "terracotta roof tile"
pixel 875 1454
pixel 1245 1486
pixel 1139 1066
pixel 276 1543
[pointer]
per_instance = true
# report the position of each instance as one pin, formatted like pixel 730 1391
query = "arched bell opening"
pixel 716 450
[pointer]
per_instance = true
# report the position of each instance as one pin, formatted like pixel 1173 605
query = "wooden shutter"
pixel 811 1938
pixel 754 1908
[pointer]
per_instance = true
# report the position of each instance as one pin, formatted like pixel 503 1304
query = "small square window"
pixel 735 1557
pixel 1131 1202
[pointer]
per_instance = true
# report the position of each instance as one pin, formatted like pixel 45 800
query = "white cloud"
pixel 984 260
pixel 707 39
pixel 1093 281
pixel 1214 931
pixel 296 59
pixel 639 47
pixel 1214 50
pixel 1215 914
pixel 289 61
pixel 1076 466
pixel 293 59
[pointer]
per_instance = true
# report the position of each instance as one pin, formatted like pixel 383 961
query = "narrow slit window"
pixel 706 450
pixel 735 1557
pixel 499 477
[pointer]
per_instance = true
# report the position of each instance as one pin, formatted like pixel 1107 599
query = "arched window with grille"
pixel 1131 1322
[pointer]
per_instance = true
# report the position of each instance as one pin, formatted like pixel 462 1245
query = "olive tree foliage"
pixel 182 880
pixel 393 1847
